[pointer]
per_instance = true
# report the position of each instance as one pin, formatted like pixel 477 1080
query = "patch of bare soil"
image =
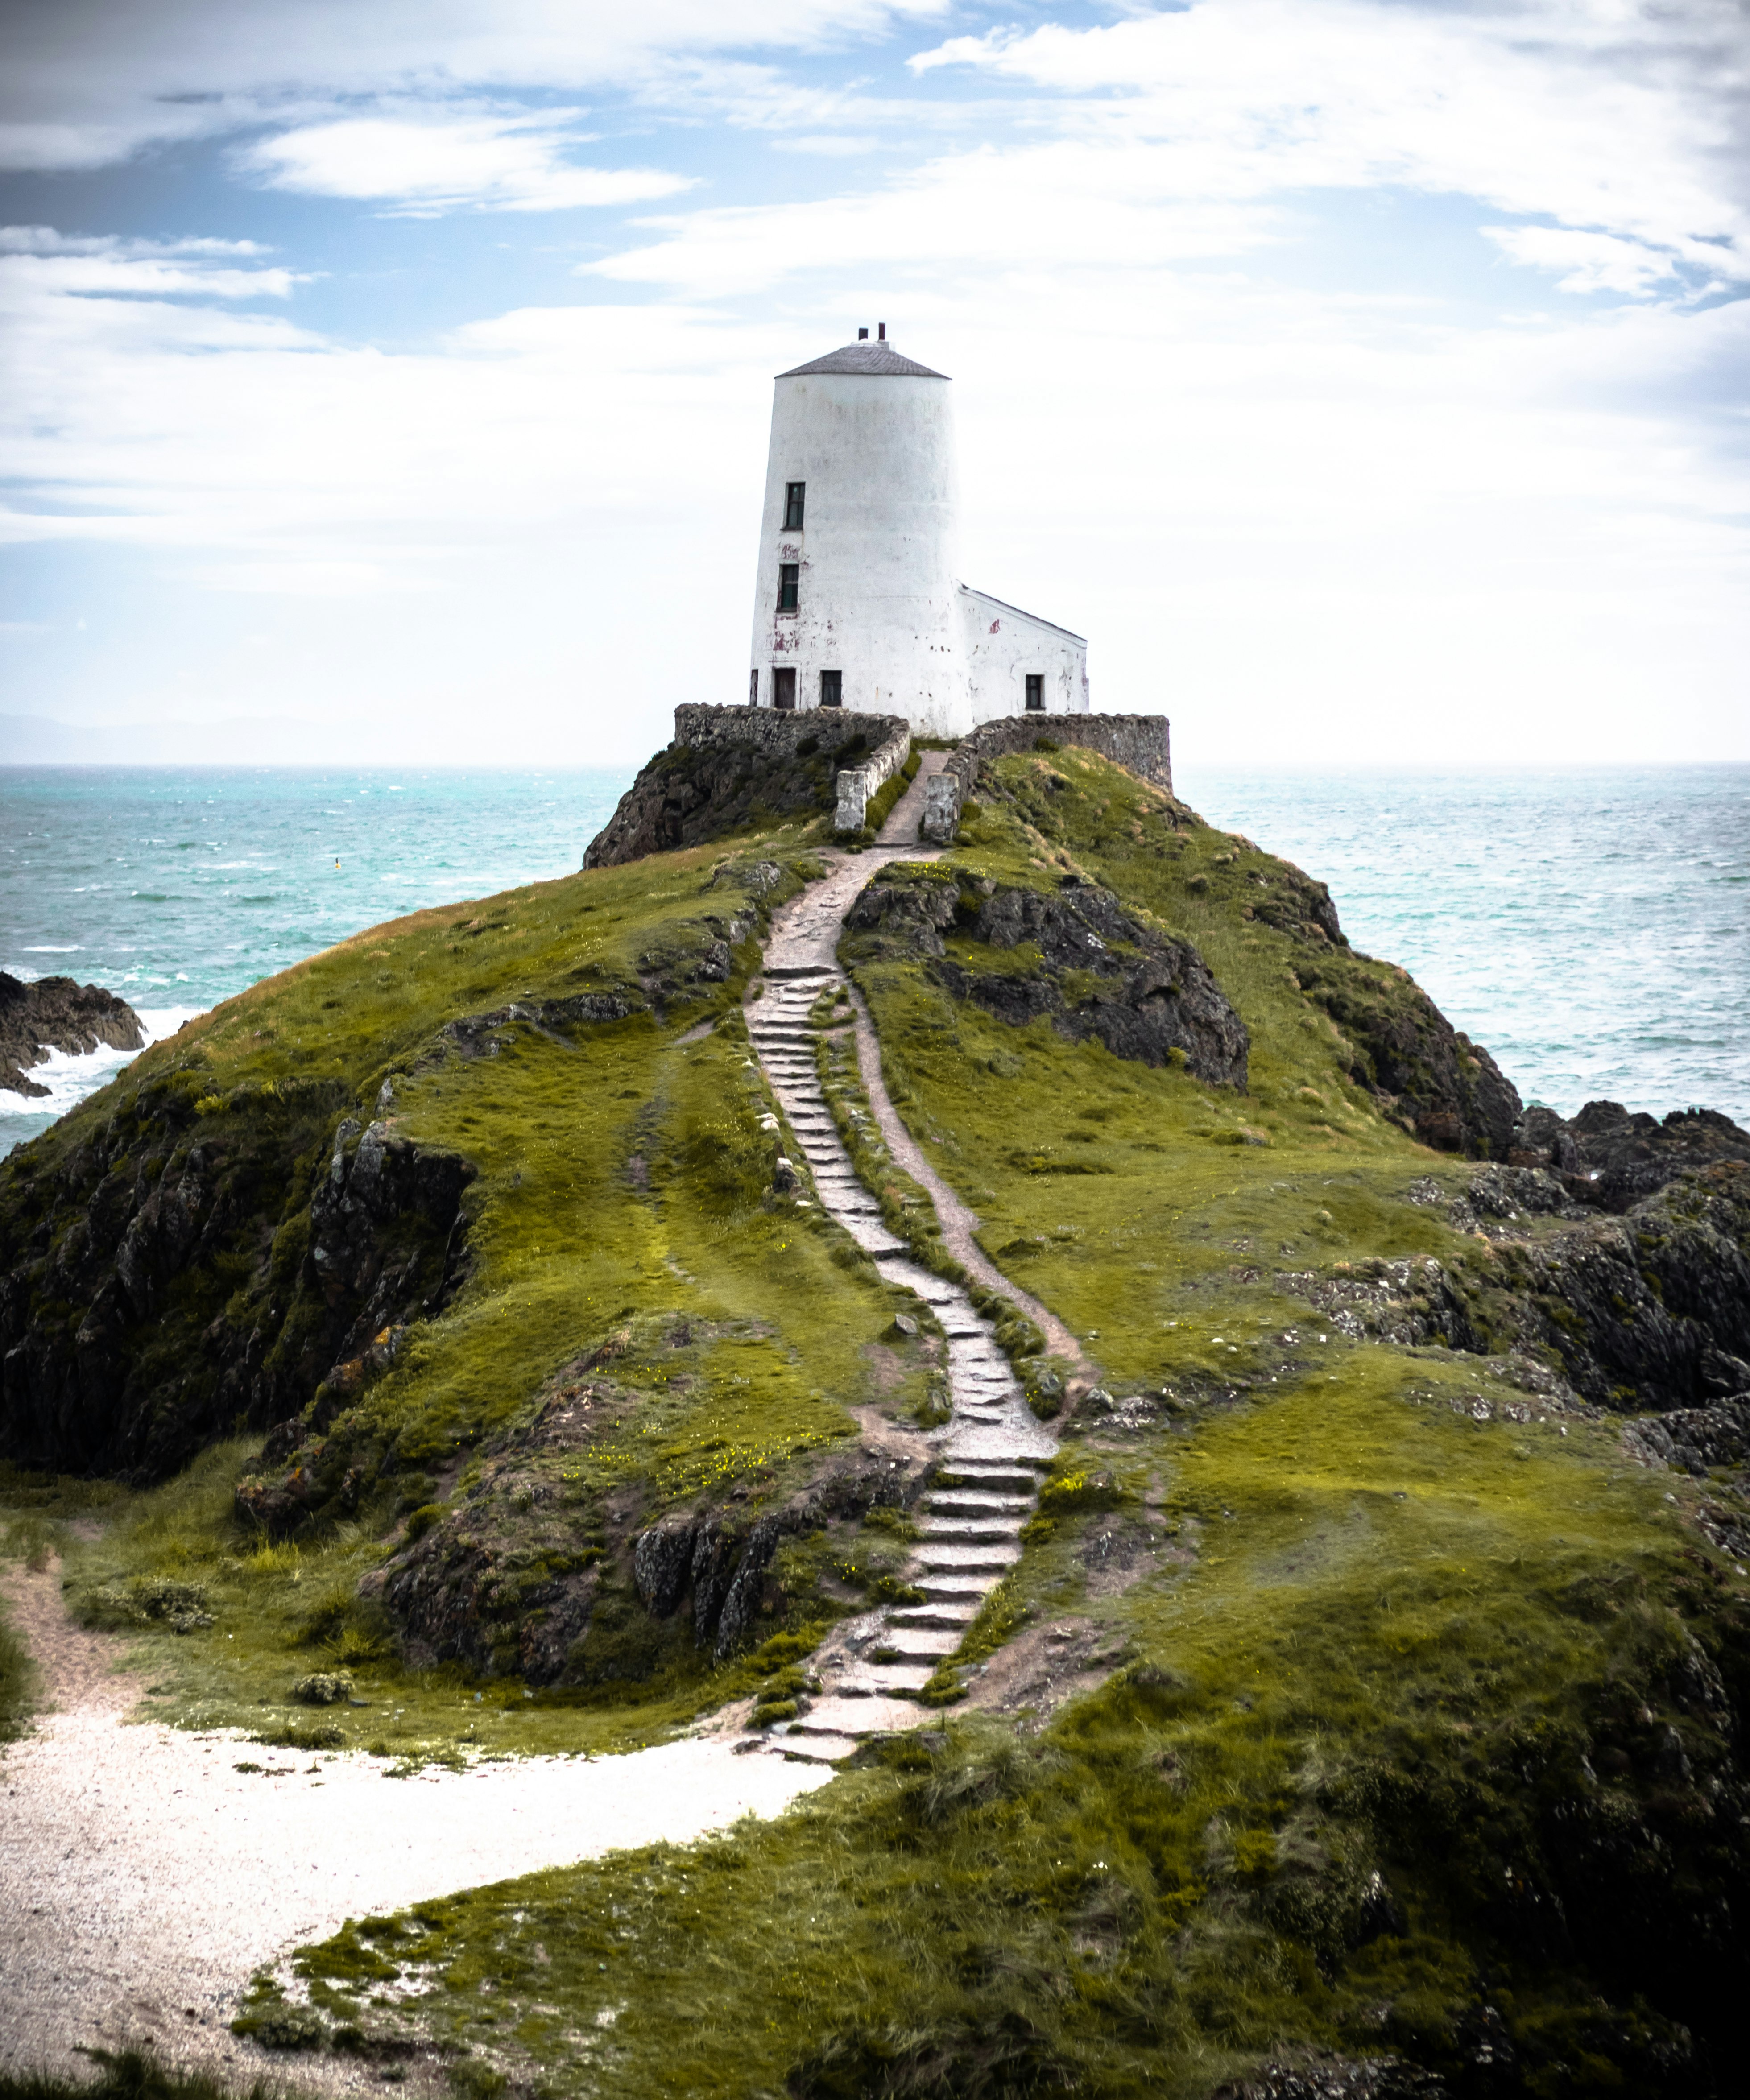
pixel 1041 1669
pixel 75 1669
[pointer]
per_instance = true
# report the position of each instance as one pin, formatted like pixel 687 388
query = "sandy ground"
pixel 144 1878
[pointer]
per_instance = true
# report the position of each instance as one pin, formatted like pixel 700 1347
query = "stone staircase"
pixel 992 1450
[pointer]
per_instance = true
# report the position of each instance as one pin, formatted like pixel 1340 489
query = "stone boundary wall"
pixel 779 732
pixel 857 785
pixel 1142 742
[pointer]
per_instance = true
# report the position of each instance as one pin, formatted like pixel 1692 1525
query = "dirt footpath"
pixel 144 1878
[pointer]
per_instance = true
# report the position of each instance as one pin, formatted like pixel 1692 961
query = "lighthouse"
pixel 858 603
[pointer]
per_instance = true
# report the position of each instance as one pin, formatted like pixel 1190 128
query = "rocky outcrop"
pixel 1445 1088
pixel 730 769
pixel 1610 1159
pixel 523 1574
pixel 200 1260
pixel 56 1013
pixel 1097 969
pixel 1650 1311
pixel 1694 1440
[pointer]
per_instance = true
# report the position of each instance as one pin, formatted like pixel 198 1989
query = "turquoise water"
pixel 176 888
pixel 1591 927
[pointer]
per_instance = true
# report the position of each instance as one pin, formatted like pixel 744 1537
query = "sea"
pixel 1590 925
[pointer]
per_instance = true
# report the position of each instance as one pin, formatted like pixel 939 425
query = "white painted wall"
pixel 1003 645
pixel 879 596
pixel 877 548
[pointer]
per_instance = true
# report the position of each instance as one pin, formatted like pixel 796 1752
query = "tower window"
pixel 783 686
pixel 832 688
pixel 794 492
pixel 753 687
pixel 1036 692
pixel 790 574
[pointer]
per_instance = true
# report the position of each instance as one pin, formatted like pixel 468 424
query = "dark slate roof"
pixel 878 358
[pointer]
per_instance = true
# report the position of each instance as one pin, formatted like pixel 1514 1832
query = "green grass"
pixel 1170 1881
pixel 125 2075
pixel 622 1198
pixel 1364 1634
pixel 17 1683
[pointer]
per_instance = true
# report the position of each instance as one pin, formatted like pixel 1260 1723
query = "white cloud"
pixel 1290 509
pixel 50 241
pixel 87 82
pixel 1587 261
pixel 1608 115
pixel 47 266
pixel 438 159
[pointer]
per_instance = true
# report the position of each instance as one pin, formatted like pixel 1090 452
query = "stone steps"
pixel 961 1501
pixel 970 1530
pixel 970 1523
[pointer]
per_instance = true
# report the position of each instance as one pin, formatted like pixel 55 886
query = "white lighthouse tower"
pixel 858 602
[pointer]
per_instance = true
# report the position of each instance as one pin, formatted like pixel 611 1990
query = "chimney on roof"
pixel 863 335
pixel 881 331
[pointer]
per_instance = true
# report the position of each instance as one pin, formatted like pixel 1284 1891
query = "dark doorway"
pixel 784 687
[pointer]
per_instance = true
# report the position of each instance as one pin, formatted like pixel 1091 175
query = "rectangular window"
pixel 1036 692
pixel 783 686
pixel 793 492
pixel 832 688
pixel 753 687
pixel 790 574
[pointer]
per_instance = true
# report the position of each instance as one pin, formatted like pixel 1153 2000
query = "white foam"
pixel 69 1077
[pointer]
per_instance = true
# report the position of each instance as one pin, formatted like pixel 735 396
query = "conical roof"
pixel 877 359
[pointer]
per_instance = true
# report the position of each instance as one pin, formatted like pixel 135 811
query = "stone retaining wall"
pixel 778 733
pixel 1142 742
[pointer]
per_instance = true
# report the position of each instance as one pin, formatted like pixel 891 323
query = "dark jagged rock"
pixel 1104 972
pixel 56 1013
pixel 1448 1090
pixel 1694 1440
pixel 1650 1311
pixel 731 769
pixel 522 1576
pixel 125 1344
pixel 1611 1158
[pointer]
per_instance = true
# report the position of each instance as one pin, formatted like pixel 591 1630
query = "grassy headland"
pixel 1357 1691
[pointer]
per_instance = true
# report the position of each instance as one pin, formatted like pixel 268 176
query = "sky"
pixel 1365 378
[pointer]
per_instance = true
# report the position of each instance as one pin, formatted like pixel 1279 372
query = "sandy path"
pixel 144 1878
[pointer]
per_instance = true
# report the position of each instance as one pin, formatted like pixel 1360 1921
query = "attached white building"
pixel 859 602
